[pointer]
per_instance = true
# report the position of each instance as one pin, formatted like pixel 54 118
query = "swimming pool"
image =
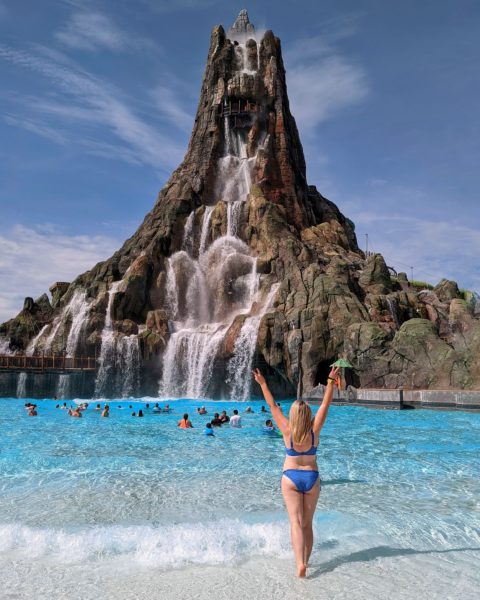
pixel 121 506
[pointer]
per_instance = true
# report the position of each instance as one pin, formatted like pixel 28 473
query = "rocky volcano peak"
pixel 241 25
pixel 241 262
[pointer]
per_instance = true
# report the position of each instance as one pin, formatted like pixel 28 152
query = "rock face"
pixel 237 232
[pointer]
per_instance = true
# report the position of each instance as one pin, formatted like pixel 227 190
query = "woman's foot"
pixel 301 570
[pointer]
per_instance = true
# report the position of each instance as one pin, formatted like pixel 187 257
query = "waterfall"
pixel 22 385
pixel 107 350
pixel 63 386
pixel 207 217
pixel 240 365
pixel 5 346
pixel 393 309
pixel 228 137
pixel 119 370
pixel 77 308
pixel 129 365
pixel 205 295
pixel 188 233
pixel 171 291
pixel 32 346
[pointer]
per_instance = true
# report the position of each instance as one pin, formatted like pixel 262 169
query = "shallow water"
pixel 110 506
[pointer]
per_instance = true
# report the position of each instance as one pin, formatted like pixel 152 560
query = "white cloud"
pixel 435 249
pixel 96 101
pixel 167 101
pixel 322 83
pixel 31 259
pixel 36 127
pixel 95 31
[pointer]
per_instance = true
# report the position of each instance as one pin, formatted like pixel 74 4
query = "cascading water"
pixel 240 365
pixel 207 217
pixel 188 233
pixel 5 346
pixel 205 295
pixel 107 350
pixel 119 370
pixel 78 309
pixel 22 385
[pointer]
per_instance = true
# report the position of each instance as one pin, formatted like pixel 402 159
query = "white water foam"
pixel 224 542
pixel 240 364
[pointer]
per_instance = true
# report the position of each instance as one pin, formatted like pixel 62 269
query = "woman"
pixel 300 481
pixel 185 423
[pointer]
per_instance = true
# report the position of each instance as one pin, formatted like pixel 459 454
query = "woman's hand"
pixel 259 378
pixel 334 373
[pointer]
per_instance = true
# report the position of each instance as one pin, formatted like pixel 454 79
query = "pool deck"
pixel 403 399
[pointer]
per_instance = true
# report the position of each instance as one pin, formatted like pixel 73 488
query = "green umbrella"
pixel 343 363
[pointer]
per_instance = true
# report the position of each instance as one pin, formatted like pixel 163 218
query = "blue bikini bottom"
pixel 304 480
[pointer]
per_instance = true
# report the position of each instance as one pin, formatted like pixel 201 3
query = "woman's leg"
pixel 294 503
pixel 310 500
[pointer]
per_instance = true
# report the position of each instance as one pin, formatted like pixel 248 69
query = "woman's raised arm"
pixel 278 416
pixel 327 399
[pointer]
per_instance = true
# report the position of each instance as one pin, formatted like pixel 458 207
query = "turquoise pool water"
pixel 146 496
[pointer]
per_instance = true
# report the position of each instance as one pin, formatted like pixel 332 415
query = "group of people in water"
pixel 300 482
pixel 222 418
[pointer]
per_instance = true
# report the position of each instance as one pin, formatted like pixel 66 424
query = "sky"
pixel 97 100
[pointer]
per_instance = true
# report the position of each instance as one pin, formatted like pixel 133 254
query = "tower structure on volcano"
pixel 241 262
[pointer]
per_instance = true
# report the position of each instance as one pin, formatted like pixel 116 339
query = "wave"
pixel 225 541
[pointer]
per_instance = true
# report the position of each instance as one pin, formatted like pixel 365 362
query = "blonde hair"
pixel 300 420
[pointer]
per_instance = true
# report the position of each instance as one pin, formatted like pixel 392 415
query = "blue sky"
pixel 97 103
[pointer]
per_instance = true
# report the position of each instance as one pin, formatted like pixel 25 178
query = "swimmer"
pixel 120 407
pixel 106 411
pixel 300 480
pixel 202 411
pixel 268 427
pixel 235 420
pixel 208 429
pixel 57 406
pixel 32 411
pixel 224 418
pixel 140 413
pixel 75 412
pixel 185 423
pixel 147 406
pixel 156 408
pixel 98 407
pixel 134 414
pixel 166 408
pixel 64 406
pixel 216 421
pixel 249 409
pixel 263 409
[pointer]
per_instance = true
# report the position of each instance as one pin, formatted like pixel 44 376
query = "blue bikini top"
pixel 310 452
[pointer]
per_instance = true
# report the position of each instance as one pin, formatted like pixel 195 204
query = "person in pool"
pixel 300 479
pixel 268 427
pixel 106 411
pixel 263 409
pixel 208 429
pixel 216 421
pixel 75 412
pixel 156 408
pixel 224 418
pixel 140 413
pixel 185 423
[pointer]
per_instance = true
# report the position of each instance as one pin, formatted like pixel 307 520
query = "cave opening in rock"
pixel 323 369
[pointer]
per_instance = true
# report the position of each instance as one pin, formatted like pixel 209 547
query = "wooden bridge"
pixel 47 363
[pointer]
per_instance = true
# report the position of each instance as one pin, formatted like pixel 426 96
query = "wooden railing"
pixel 47 362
